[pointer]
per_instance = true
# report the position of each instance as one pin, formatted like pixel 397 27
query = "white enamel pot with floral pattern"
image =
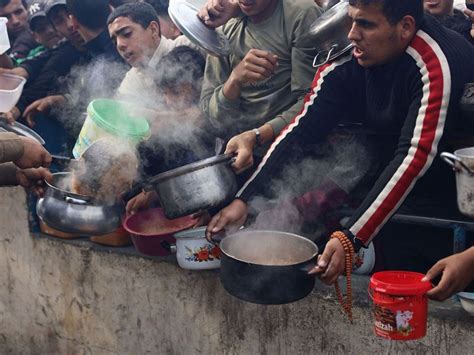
pixel 194 252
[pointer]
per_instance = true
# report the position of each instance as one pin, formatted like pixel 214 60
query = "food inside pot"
pixel 269 248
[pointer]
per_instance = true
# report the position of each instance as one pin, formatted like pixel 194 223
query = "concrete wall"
pixel 74 298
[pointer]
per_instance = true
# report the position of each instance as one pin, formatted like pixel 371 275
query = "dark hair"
pixel 160 6
pixel 4 3
pixel 139 12
pixel 183 65
pixel 92 14
pixel 117 3
pixel 395 10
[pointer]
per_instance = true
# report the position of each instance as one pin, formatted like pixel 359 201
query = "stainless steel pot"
pixel 78 214
pixel 267 267
pixel 462 162
pixel 329 34
pixel 194 187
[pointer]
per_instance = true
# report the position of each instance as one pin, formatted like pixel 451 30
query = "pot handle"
pixel 218 238
pixel 168 246
pixel 451 159
pixel 75 201
pixel 315 61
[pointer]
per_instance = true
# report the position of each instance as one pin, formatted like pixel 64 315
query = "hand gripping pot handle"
pixel 316 63
pixel 451 159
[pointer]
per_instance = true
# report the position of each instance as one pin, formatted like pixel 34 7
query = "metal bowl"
pixel 329 34
pixel 78 214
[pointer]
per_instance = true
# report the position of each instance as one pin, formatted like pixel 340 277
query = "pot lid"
pixel 190 168
pixel 400 283
pixel 21 130
pixel 184 15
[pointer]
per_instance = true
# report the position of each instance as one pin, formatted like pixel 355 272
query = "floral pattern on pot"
pixel 203 254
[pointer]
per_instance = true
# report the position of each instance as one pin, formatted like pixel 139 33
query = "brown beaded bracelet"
pixel 349 251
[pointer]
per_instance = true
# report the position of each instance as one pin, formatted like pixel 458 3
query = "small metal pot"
pixel 462 162
pixel 267 267
pixel 194 187
pixel 78 214
pixel 329 34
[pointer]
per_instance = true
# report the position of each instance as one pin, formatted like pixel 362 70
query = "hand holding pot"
pixel 457 271
pixel 140 202
pixel 242 146
pixel 230 218
pixel 34 155
pixel 33 179
pixel 216 13
pixel 331 263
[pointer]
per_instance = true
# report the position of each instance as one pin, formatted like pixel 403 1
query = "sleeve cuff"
pixel 225 102
pixel 11 147
pixel 278 124
pixel 8 174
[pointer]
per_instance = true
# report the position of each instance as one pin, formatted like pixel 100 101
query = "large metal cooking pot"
pixel 78 214
pixel 462 162
pixel 267 267
pixel 195 187
pixel 329 34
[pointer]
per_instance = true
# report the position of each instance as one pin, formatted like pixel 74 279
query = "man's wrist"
pixel 258 138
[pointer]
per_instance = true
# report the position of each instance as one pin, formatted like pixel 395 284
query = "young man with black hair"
pixel 403 80
pixel 21 39
pixel 135 30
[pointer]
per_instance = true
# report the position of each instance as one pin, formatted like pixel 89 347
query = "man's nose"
pixel 354 34
pixel 14 20
pixel 121 44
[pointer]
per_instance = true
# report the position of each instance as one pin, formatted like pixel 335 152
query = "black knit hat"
pixel 50 4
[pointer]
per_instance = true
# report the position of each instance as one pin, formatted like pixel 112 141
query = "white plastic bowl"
pixel 4 41
pixel 11 87
pixel 467 301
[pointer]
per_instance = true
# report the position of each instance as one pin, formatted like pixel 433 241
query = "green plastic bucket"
pixel 108 118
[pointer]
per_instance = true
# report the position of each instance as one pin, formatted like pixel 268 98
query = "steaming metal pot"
pixel 78 214
pixel 205 184
pixel 267 267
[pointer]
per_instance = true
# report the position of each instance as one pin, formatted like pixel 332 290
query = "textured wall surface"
pixel 73 298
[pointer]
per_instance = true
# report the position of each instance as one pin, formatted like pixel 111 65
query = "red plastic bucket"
pixel 400 304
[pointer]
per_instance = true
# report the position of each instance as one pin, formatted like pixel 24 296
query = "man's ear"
pixel 155 28
pixel 407 27
pixel 36 37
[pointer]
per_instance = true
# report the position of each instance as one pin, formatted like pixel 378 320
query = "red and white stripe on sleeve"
pixel 428 130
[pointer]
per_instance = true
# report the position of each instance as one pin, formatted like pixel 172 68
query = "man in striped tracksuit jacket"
pixel 404 80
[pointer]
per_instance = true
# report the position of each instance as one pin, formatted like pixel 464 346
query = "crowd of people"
pixel 402 81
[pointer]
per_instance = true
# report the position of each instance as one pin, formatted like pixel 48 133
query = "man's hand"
pixel 257 65
pixel 140 202
pixel 456 271
pixel 242 146
pixel 43 105
pixel 217 12
pixel 34 155
pixel 33 179
pixel 231 218
pixel 15 71
pixel 470 14
pixel 12 115
pixel 331 263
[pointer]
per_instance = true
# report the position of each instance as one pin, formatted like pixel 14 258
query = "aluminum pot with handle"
pixel 329 34
pixel 462 162
pixel 205 184
pixel 267 267
pixel 78 214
